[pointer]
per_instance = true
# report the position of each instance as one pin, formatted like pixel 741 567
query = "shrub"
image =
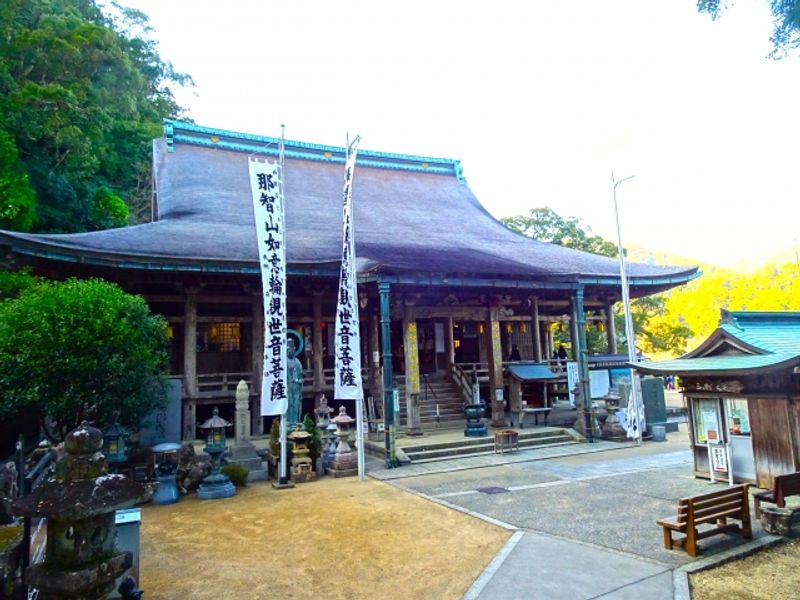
pixel 236 473
pixel 80 350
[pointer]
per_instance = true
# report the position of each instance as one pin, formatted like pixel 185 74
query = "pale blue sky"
pixel 540 100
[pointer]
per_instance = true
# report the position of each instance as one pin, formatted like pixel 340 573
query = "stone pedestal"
pixel 345 461
pixel 243 452
pixel 777 521
pixel 216 486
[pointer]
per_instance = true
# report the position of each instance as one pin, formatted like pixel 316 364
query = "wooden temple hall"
pixel 444 288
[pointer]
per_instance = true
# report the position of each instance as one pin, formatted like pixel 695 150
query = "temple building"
pixel 444 288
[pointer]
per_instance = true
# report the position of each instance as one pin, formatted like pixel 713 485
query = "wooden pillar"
pixel 257 425
pixel 548 339
pixel 494 358
pixel 412 371
pixel 449 346
pixel 386 354
pixel 190 364
pixel 611 329
pixel 535 330
pixel 316 337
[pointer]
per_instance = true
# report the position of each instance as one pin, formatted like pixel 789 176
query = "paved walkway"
pixel 583 517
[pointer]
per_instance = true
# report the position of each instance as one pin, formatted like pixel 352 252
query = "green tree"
pixel 786 34
pixel 80 349
pixel 17 199
pixel 545 225
pixel 82 94
pixel 655 332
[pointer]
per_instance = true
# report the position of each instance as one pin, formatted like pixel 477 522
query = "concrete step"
pixel 485 447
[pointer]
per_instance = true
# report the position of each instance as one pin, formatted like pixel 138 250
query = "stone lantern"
pixel 345 460
pixel 114 438
pixel 301 462
pixel 216 485
pixel 79 503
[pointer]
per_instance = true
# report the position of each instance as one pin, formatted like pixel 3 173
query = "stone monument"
pixel 345 461
pixel 81 558
pixel 243 451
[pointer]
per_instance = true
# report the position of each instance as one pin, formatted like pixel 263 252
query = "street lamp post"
pixel 629 332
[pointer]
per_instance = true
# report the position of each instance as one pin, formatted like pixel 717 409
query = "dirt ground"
pixel 329 539
pixel 773 573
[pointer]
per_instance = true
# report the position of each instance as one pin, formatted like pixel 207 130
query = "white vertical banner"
pixel 348 384
pixel 267 189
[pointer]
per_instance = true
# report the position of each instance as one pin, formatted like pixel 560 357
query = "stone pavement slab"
pixel 544 567
pixel 494 459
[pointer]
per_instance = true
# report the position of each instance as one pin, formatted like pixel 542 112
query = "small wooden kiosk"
pixel 742 387
pixel 528 391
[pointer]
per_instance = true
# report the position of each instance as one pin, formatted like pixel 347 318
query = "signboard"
pixel 599 383
pixel 572 380
pixel 719 458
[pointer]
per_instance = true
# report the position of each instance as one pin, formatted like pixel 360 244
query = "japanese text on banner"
pixel 265 184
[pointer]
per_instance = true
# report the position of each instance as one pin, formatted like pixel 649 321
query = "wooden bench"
pixel 535 412
pixel 714 509
pixel 785 485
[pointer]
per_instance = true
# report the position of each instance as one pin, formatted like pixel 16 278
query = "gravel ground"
pixel 772 574
pixel 332 539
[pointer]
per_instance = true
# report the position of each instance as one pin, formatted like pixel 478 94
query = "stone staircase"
pixel 428 451
pixel 440 391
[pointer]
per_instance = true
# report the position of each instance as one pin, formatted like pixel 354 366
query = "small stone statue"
pixel 294 384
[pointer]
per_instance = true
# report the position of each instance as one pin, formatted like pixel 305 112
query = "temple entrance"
pixel 465 341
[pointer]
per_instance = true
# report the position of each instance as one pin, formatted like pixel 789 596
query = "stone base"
pixel 333 472
pixel 93 581
pixel 283 486
pixel 476 430
pixel 216 486
pixel 303 474
pixel 167 490
pixel 777 521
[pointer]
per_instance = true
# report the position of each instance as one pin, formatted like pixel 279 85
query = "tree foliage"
pixel 80 349
pixel 786 34
pixel 545 225
pixel 82 94
pixel 655 333
pixel 697 305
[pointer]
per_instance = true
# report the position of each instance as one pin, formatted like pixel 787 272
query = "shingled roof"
pixel 412 214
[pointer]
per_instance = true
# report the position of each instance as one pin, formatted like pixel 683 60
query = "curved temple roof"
pixel 412 214
pixel 744 342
